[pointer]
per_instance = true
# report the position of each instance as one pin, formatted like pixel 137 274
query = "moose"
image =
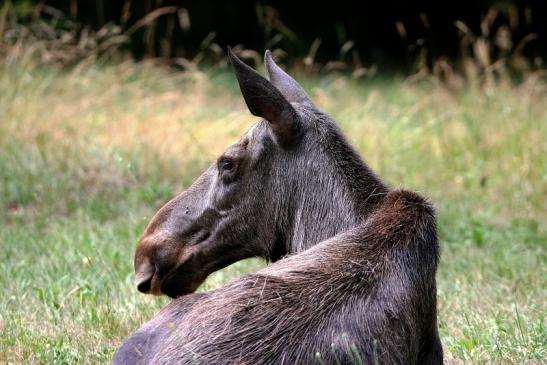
pixel 353 261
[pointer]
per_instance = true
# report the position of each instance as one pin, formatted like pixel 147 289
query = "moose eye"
pixel 226 165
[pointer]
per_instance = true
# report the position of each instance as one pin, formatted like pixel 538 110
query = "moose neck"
pixel 338 193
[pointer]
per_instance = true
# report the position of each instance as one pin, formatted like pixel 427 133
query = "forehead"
pixel 256 137
pixel 251 140
pixel 256 133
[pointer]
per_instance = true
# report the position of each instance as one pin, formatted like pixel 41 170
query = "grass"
pixel 88 155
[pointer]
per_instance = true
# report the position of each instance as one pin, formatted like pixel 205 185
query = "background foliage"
pixel 390 33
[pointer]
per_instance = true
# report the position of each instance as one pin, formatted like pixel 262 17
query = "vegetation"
pixel 87 155
pixel 390 33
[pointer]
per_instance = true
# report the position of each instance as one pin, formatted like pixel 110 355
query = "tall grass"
pixel 87 154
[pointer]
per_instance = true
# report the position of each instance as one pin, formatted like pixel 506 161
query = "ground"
pixel 89 154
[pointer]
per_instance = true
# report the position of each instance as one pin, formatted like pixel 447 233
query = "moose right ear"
pixel 285 83
pixel 265 101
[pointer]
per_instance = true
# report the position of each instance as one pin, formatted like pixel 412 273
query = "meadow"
pixel 89 153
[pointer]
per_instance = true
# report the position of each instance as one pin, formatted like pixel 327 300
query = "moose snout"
pixel 167 255
pixel 157 257
pixel 149 265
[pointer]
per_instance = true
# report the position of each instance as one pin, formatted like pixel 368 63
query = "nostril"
pixel 144 286
pixel 143 276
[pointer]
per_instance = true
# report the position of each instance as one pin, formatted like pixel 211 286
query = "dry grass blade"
pixel 150 18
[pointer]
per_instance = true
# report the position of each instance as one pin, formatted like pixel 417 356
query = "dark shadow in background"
pixel 370 24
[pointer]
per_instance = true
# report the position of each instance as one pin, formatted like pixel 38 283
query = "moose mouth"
pixel 180 267
pixel 185 279
pixel 157 279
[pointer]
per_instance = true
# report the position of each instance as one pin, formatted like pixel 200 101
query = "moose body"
pixel 354 262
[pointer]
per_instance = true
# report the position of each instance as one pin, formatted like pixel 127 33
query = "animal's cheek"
pixel 227 196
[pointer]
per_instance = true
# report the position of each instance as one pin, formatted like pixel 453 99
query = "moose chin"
pixel 353 262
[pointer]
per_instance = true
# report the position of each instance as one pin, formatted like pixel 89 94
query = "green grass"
pixel 88 155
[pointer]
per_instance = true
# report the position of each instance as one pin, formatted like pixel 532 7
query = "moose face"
pixel 236 209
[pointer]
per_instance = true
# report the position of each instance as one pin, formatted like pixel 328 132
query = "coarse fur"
pixel 353 278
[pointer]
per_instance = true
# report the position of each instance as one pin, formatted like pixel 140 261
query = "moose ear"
pixel 285 83
pixel 265 101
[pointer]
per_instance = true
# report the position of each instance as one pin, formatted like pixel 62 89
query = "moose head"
pixel 290 182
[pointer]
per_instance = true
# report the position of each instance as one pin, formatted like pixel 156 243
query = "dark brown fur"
pixel 358 284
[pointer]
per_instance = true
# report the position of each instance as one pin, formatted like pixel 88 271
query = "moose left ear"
pixel 265 101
